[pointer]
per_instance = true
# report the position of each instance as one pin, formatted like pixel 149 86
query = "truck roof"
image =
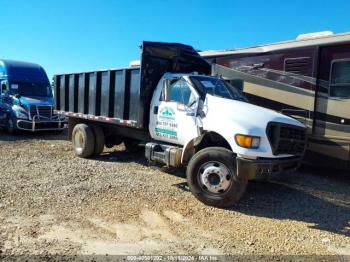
pixel 22 71
pixel 299 42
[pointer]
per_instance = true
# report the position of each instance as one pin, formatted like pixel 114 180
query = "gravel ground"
pixel 54 203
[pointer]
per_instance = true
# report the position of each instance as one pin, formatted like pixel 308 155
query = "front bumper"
pixel 264 168
pixel 55 124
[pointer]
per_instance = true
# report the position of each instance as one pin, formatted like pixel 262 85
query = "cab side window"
pixel 178 91
pixel 340 79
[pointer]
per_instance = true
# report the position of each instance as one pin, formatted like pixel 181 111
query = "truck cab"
pixel 191 113
pixel 26 98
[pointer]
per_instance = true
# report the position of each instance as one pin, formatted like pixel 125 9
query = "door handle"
pixel 190 114
pixel 155 110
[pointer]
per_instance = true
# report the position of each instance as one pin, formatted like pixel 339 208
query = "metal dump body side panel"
pixel 108 94
pixel 123 96
pixel 106 88
pixel 73 93
pixel 93 86
pixel 119 94
pixel 135 109
pixel 83 93
pixel 64 92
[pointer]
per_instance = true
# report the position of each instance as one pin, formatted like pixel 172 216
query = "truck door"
pixel 173 112
pixel 332 116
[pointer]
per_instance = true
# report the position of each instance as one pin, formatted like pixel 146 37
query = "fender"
pixel 207 139
pixel 189 148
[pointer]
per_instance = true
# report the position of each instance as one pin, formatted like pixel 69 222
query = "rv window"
pixel 340 79
pixel 298 65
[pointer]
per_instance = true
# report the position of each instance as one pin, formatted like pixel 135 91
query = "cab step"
pixel 167 154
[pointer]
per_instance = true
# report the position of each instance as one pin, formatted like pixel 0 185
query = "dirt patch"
pixel 54 203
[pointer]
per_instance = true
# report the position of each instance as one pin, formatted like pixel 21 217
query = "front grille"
pixel 41 111
pixel 286 139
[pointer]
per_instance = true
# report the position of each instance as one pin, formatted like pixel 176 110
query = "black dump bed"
pixel 123 96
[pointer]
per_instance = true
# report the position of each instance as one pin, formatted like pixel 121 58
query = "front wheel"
pixel 212 177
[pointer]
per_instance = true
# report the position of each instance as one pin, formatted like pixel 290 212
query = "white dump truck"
pixel 183 117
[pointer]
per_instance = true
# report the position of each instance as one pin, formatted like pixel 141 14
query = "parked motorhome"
pixel 26 99
pixel 307 78
pixel 184 117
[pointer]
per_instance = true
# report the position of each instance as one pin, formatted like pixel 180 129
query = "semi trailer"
pixel 26 99
pixel 183 117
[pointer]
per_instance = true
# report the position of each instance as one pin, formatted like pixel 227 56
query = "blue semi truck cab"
pixel 26 99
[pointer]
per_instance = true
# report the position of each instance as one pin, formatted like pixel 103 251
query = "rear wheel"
pixel 212 177
pixel 83 140
pixel 99 139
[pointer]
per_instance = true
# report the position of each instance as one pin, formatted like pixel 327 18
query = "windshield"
pixel 30 89
pixel 217 87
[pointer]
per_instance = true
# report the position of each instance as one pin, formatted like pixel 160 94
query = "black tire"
pixel 132 145
pixel 99 139
pixel 11 126
pixel 225 159
pixel 83 141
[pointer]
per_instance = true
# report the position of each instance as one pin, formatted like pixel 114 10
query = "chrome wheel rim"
pixel 215 177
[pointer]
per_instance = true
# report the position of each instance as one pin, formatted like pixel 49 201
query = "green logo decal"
pixel 166 131
pixel 167 112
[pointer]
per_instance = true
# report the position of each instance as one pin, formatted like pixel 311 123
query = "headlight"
pixel 247 141
pixel 20 112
